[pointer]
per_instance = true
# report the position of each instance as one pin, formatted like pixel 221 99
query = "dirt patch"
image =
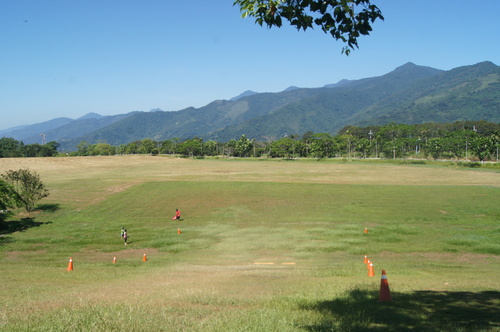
pixel 98 256
pixel 465 258
pixel 114 189
pixel 13 255
pixel 29 214
pixel 121 187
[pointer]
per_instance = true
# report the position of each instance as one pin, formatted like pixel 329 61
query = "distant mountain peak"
pixel 407 65
pixel 244 94
pixel 90 115
pixel 340 83
pixel 486 64
pixel 410 68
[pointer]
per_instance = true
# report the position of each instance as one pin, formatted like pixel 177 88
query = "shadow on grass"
pixel 11 226
pixel 48 207
pixel 5 239
pixel 417 311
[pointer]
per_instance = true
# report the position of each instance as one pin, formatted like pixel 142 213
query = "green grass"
pixel 265 246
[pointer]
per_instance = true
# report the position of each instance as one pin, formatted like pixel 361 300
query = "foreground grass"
pixel 265 246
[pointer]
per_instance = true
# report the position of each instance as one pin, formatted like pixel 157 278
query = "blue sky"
pixel 66 58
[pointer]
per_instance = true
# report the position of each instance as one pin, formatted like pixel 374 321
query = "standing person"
pixel 125 236
pixel 122 231
pixel 177 215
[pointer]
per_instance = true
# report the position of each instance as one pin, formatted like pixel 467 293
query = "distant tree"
pixel 83 148
pixel 454 143
pixel 322 145
pixel 406 145
pixel 36 150
pixel 344 20
pixel 363 145
pixel 307 139
pixel 121 149
pixel 298 146
pixel 10 148
pixel 50 149
pixel 243 147
pixel 169 146
pixel 347 142
pixel 259 148
pixel 495 138
pixel 28 186
pixel 482 147
pixel 32 150
pixel 210 148
pixel 269 143
pixel 148 146
pixel 435 147
pixel 394 130
pixel 191 147
pixel 132 147
pixel 281 148
pixel 101 149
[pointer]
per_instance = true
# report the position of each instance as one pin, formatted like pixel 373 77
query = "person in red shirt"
pixel 177 215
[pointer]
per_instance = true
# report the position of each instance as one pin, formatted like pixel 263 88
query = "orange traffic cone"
pixel 365 231
pixel 366 259
pixel 385 292
pixel 368 264
pixel 144 259
pixel 178 231
pixel 70 264
pixel 114 260
pixel 371 271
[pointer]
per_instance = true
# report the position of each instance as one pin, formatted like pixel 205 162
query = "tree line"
pixel 12 148
pixel 466 140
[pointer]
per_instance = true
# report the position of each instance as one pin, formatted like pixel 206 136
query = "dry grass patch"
pixel 147 168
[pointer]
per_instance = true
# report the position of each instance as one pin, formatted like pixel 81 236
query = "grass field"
pixel 264 246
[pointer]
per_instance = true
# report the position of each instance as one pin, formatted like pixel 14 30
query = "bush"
pixel 471 164
pixel 413 162
pixel 27 185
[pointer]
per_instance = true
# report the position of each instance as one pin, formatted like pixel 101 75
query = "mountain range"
pixel 409 94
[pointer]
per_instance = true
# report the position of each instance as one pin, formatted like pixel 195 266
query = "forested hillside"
pixel 410 94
